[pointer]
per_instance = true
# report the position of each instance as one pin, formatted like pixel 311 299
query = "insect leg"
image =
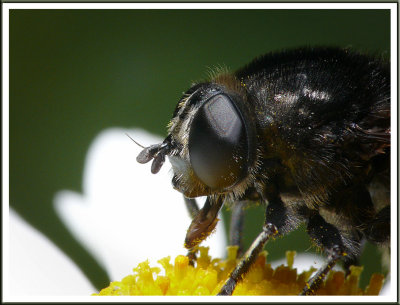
pixel 351 262
pixel 247 260
pixel 275 223
pixel 328 237
pixel 193 209
pixel 236 227
pixel 378 230
pixel 191 254
pixel 314 283
pixel 191 206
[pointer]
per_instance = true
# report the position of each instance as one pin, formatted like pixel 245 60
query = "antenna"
pixel 134 141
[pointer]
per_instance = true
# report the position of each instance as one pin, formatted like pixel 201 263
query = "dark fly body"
pixel 304 131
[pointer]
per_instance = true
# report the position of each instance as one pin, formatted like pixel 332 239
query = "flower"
pixel 209 275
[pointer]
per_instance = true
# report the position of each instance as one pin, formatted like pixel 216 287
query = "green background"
pixel 74 73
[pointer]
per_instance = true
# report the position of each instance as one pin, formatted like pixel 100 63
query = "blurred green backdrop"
pixel 76 72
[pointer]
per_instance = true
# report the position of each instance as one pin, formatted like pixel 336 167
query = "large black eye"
pixel 218 145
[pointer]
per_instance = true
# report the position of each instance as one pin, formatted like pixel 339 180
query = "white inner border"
pixel 394 152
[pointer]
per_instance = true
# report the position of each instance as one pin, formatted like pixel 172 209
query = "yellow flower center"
pixel 209 275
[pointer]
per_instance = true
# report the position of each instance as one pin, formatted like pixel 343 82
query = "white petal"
pixel 303 262
pixel 39 268
pixel 387 288
pixel 126 214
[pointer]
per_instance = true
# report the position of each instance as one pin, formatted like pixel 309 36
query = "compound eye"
pixel 218 145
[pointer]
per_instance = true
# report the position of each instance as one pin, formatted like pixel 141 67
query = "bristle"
pixel 214 72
